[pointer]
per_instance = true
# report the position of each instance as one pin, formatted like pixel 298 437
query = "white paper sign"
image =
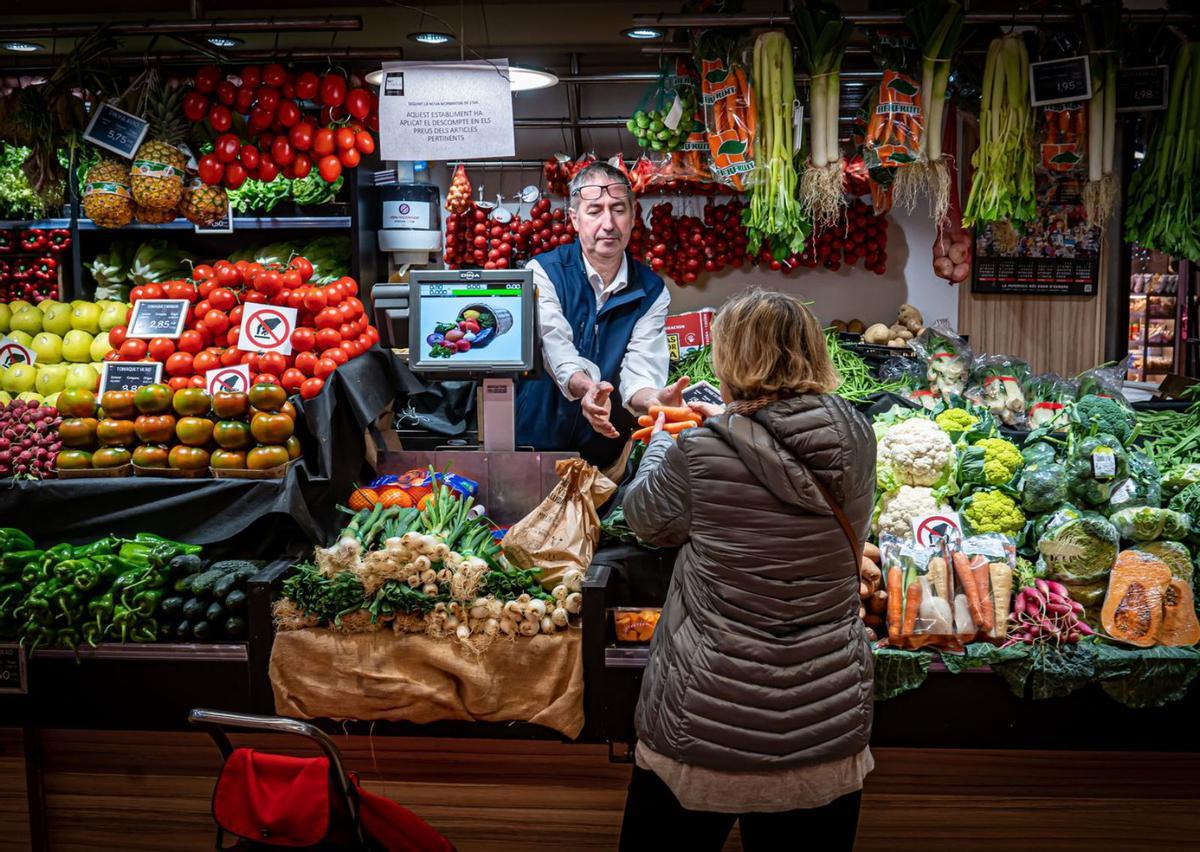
pixel 266 328
pixel 445 111
pixel 931 529
pixel 12 352
pixel 234 379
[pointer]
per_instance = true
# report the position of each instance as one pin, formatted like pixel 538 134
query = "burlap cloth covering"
pixel 318 673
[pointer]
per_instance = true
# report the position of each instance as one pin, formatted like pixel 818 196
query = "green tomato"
pixel 657 126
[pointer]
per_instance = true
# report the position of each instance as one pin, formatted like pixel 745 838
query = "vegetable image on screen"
pixel 474 327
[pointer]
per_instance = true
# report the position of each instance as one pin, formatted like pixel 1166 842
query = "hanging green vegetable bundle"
pixel 1164 193
pixel 937 26
pixel 1003 184
pixel 823 36
pixel 1101 25
pixel 774 213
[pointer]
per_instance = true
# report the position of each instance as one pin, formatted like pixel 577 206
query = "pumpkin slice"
pixel 1179 624
pixel 1133 607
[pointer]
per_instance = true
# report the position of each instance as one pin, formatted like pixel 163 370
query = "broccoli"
pixel 1096 467
pixel 1104 414
pixel 990 461
pixel 1044 488
pixel 1141 488
pixel 992 510
pixel 1038 453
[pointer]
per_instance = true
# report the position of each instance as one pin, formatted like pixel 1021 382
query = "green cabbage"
pixel 1146 523
pixel 1142 488
pixel 1079 549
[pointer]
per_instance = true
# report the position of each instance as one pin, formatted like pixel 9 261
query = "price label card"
pixel 131 375
pixel 1060 80
pixel 12 668
pixel 158 317
pixel 703 392
pixel 224 225
pixel 266 328
pixel 1142 88
pixel 1104 464
pixel 116 130
pixel 674 114
pixel 12 352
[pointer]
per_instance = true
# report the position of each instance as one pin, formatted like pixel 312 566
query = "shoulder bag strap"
pixel 843 521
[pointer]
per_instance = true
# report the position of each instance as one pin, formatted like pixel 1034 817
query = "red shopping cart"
pixel 266 802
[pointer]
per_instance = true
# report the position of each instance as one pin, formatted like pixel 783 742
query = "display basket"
pixel 95 472
pixel 170 472
pixel 280 471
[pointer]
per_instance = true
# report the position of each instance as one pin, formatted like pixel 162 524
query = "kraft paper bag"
pixel 563 531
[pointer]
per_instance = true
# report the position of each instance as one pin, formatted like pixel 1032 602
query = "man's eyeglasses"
pixel 594 191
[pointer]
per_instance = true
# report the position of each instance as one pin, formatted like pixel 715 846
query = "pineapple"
pixel 203 204
pixel 107 199
pixel 158 166
pixel 151 216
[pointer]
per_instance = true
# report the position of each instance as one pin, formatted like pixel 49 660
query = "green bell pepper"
pixel 178 546
pixel 103 546
pixel 101 608
pixel 12 539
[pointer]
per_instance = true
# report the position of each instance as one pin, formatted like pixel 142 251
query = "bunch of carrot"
pixel 730 119
pixel 677 420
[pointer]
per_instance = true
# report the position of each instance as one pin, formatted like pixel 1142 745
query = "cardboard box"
pixel 688 332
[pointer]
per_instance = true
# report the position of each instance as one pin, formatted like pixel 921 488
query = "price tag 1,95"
pixel 1059 81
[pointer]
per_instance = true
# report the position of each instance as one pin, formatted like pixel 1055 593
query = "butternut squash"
pixel 1133 606
pixel 1179 623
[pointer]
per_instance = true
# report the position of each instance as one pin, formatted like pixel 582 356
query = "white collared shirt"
pixel 646 359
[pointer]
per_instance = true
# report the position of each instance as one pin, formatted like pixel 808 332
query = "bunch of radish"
pixel 1044 612
pixel 260 129
pixel 29 440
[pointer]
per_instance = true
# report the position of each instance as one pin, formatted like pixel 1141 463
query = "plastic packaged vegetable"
pixel 1047 395
pixel 947 359
pixel 729 112
pixel 999 385
pixel 920 610
pixel 983 575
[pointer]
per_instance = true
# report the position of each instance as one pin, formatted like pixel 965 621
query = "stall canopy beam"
pixel 207 27
pixel 652 76
pixel 236 57
pixel 871 19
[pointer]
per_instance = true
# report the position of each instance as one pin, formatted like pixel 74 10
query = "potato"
pixel 877 335
pixel 909 317
pixel 961 273
pixel 838 325
pixel 856 326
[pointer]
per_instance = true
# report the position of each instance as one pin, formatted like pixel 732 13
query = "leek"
pixel 1101 26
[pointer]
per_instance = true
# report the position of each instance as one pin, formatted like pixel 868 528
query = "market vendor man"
pixel 602 321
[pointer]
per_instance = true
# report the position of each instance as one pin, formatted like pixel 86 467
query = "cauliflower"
pixel 993 512
pixel 898 509
pixel 990 461
pixel 956 420
pixel 915 452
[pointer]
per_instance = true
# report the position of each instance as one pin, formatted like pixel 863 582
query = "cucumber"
pixel 225 585
pixel 193 609
pixel 235 627
pixel 186 564
pixel 235 601
pixel 183 630
pixel 172 606
pixel 202 584
pixel 215 613
pixel 202 631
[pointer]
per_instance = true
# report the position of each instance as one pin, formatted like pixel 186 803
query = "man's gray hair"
pixel 590 172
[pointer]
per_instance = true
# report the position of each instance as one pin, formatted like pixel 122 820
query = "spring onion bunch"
pixel 774 213
pixel 937 27
pixel 1003 186
pixel 1164 193
pixel 823 36
pixel 1101 26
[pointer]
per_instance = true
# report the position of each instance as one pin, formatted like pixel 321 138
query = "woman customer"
pixel 756 703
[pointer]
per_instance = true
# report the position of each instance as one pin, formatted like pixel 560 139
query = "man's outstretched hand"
pixel 672 394
pixel 597 408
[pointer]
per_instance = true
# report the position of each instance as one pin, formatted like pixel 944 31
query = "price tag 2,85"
pixel 158 318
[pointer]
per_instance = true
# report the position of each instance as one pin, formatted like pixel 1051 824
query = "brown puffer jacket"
pixel 759 660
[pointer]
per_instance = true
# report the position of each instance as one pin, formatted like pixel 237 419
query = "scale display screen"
pixel 471 321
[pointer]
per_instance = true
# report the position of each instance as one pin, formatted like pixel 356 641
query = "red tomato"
pixel 364 341
pixel 261 118
pixel 330 168
pixel 235 175
pixel 327 338
pixel 334 294
pixel 280 299
pixel 251 76
pixel 152 291
pixel 296 299
pixel 189 341
pixel 303 339
pixel 324 367
pixel 274 74
pixel 250 359
pixel 364 142
pixel 254 296
pixel 222 298
pixel 116 336
pixel 181 290
pixel 230 357
pixel 348 284
pixel 268 282
pixel 351 348
pixel 281 151
pixel 265 379
pixel 267 170
pixel 374 332
pixel 288 113
pixel 202 362
pixel 337 354
pixel 197 381
pixel 235 316
pixel 358 103
pixel 226 148
pixel 333 90
pixel 306 362
pixel 314 299
pixel 249 157
pixel 201 309
pixel 195 106
pixel 217 322
pixel 160 348
pixel 323 142
pixel 207 77
pixel 267 98
pixel 177 383
pixel 346 309
pixel 301 136
pixel 306 85
pixel 291 379
pixel 228 275
pixel 244 100
pixel 179 364
pixel 226 92
pixel 344 138
pixel 273 363
pixel 201 270
pixel 220 119
pixel 210 169
pixel 349 157
pixel 329 318
pixel 346 330
pixel 133 349
pixel 311 388
pixel 301 166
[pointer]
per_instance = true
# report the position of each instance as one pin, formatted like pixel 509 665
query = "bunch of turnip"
pixel 1044 612
pixel 29 441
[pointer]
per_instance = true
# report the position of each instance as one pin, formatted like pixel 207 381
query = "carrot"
pixel 682 413
pixel 644 433
pixel 962 569
pixel 979 568
pixel 645 420
pixel 912 604
pixel 895 601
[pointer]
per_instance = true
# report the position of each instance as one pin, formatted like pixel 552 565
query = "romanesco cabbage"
pixel 993 511
pixel 990 461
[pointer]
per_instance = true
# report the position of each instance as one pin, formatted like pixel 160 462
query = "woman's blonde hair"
pixel 768 344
